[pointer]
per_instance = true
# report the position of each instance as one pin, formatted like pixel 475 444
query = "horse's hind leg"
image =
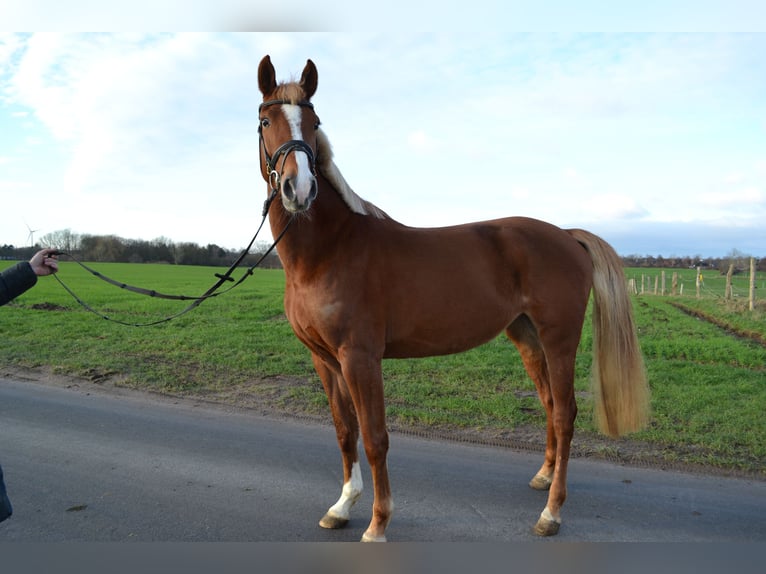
pixel 524 336
pixel 552 370
pixel 347 431
pixel 561 373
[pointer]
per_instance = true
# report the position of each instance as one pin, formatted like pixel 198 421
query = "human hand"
pixel 44 262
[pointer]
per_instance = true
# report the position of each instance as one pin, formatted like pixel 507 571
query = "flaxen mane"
pixel 327 167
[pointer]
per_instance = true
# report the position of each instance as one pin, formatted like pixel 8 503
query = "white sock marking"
pixel 351 492
pixel 547 515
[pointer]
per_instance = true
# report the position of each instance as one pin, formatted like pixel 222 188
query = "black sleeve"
pixel 15 280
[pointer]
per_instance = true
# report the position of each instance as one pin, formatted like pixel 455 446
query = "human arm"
pixel 17 279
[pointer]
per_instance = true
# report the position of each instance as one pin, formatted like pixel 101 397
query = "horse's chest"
pixel 312 314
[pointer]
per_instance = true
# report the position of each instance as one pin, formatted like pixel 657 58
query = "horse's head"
pixel 287 130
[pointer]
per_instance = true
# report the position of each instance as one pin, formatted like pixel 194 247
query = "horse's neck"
pixel 309 240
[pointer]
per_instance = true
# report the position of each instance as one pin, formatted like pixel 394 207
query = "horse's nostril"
pixel 313 190
pixel 287 189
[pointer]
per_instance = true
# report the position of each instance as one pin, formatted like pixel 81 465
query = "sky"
pixel 655 141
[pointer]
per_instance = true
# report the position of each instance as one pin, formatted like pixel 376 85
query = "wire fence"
pixel 748 286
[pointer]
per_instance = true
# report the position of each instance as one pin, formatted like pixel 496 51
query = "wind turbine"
pixel 31 236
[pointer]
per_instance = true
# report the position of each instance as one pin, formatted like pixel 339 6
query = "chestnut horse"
pixel 361 287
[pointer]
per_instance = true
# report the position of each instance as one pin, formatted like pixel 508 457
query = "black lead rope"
pixel 196 301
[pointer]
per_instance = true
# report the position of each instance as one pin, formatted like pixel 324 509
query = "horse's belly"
pixel 445 334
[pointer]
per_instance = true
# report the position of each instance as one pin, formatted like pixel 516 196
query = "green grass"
pixel 232 336
pixel 708 386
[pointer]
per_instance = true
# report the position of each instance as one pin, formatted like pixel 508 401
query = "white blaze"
pixel 304 179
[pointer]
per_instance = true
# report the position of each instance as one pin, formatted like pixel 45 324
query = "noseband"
pixel 285 149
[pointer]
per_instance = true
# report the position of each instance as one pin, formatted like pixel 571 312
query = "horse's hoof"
pixel 333 522
pixel 540 482
pixel 370 538
pixel 546 528
pixel 547 525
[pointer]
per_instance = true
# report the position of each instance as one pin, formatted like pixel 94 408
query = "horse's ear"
pixel 309 79
pixel 267 77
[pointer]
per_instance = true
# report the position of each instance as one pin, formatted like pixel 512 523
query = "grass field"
pixel 708 381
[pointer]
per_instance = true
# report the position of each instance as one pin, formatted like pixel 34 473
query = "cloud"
pixel 420 141
pixel 520 192
pixel 9 44
pixel 742 199
pixel 734 178
pixel 131 103
pixel 614 206
pixel 14 186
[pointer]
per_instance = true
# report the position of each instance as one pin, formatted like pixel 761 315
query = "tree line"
pixel 740 261
pixel 111 248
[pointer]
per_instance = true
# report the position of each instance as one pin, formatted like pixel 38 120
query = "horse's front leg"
pixel 363 373
pixel 347 432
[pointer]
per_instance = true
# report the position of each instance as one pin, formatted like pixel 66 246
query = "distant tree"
pixel 7 251
pixel 735 257
pixel 102 248
pixel 163 250
pixel 63 239
pixel 190 254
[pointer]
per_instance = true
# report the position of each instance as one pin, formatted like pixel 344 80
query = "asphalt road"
pixel 89 465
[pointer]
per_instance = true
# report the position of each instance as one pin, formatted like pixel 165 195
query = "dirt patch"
pixel 49 307
pixel 268 396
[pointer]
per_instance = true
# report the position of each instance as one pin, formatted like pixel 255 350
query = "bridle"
pixel 290 146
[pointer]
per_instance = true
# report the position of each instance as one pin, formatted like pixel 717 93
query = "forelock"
pixel 290 92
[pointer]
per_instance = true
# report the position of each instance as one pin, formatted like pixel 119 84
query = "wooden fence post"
pixel 752 284
pixel 675 283
pixel 699 274
pixel 727 293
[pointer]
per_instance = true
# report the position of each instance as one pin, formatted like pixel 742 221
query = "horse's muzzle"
pixel 297 199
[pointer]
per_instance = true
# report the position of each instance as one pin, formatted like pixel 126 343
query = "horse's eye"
pixel 317 124
pixel 265 123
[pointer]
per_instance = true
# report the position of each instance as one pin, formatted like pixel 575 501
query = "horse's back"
pixel 508 251
pixel 451 288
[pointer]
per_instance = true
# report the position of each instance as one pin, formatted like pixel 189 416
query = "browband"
pixel 303 104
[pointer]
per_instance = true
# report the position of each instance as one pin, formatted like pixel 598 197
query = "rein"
pixel 196 301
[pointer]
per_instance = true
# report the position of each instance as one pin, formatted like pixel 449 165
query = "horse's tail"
pixel 620 388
